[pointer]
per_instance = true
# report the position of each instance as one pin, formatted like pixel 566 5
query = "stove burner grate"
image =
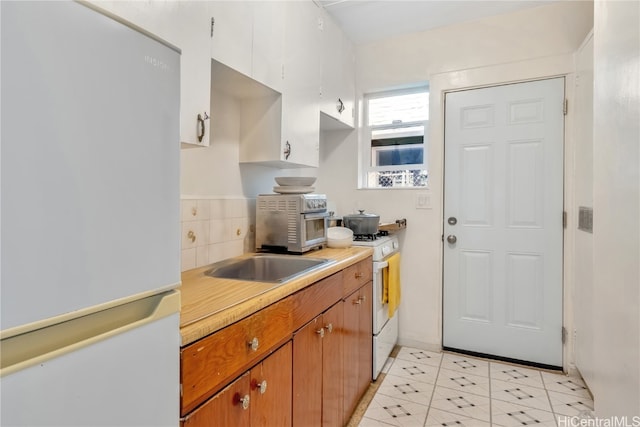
pixel 369 237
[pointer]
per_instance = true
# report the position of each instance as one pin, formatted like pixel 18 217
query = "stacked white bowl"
pixel 339 237
pixel 294 184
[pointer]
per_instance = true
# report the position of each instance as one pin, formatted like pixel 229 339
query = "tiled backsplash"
pixel 216 229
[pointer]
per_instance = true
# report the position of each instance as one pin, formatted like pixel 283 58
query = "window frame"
pixel 367 149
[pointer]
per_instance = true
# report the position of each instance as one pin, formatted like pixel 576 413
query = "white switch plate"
pixel 423 201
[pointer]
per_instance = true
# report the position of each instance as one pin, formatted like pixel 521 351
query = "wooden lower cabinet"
pixel 307 374
pixel 271 389
pixel 303 361
pixel 225 408
pixel 317 371
pixel 333 367
pixel 358 346
pixel 260 397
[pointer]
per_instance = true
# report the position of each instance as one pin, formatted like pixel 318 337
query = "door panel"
pixel 475 283
pixel 271 389
pixel 332 366
pixel 504 185
pixel 307 375
pixel 477 208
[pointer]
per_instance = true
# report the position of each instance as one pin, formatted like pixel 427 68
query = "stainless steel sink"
pixel 267 267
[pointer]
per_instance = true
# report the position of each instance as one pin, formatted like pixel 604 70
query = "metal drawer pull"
pixel 358 301
pixel 329 327
pixel 253 344
pixel 244 401
pixel 262 386
pixel 358 275
pixel 362 299
pixel 320 332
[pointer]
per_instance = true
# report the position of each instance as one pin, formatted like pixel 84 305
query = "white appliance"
pixel 385 329
pixel 89 202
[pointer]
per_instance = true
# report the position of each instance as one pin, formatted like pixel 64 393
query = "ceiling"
pixel 366 21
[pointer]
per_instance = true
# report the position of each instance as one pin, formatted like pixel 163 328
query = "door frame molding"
pixel 495 75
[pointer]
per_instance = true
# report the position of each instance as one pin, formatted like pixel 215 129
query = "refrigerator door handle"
pixel 23 350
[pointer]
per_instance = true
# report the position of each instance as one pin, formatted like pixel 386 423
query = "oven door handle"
pixel 379 265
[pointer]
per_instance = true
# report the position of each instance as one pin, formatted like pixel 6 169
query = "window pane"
pixel 397 178
pixel 399 109
pixel 382 134
pixel 397 155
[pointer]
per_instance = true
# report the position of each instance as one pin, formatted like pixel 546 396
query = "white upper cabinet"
pixel 285 59
pixel 338 79
pixel 268 43
pixel 193 34
pixel 248 37
pixel 282 129
pixel 185 25
pixel 301 83
pixel 232 35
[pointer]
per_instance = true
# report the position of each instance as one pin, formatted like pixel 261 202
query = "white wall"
pixel 517 46
pixel 616 206
pixel 583 196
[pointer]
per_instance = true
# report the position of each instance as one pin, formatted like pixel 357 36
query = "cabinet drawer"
pixel 208 364
pixel 357 275
pixel 315 299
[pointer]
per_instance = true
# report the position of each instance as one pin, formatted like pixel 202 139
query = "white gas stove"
pixel 383 246
pixel 385 329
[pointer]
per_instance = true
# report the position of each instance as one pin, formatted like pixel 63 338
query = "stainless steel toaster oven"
pixel 291 222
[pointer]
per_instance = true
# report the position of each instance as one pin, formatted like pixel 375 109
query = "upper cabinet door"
pixel 232 35
pixel 268 43
pixel 195 80
pixel 338 81
pixel 301 83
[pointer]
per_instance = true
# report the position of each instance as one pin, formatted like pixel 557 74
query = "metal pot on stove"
pixel 362 223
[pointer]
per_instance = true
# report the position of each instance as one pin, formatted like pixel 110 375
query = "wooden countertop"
pixel 209 304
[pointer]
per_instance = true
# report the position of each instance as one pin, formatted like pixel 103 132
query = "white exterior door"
pixel 503 221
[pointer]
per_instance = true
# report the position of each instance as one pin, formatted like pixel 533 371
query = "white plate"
pixel 293 189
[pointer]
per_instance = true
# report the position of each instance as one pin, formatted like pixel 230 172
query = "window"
pixel 394 149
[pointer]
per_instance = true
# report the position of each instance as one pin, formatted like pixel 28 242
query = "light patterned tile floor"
pixel 423 388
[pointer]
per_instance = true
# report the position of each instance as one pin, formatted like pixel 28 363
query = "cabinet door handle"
pixel 287 150
pixel 358 301
pixel 329 327
pixel 340 106
pixel 262 386
pixel 362 299
pixel 253 344
pixel 320 332
pixel 244 401
pixel 201 120
pixel 358 275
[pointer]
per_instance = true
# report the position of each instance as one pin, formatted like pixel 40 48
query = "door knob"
pixel 261 386
pixel 244 401
pixel 452 239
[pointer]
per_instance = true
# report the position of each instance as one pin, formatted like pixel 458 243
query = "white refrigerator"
pixel 89 219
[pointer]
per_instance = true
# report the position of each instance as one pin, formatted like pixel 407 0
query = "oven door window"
pixel 315 229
